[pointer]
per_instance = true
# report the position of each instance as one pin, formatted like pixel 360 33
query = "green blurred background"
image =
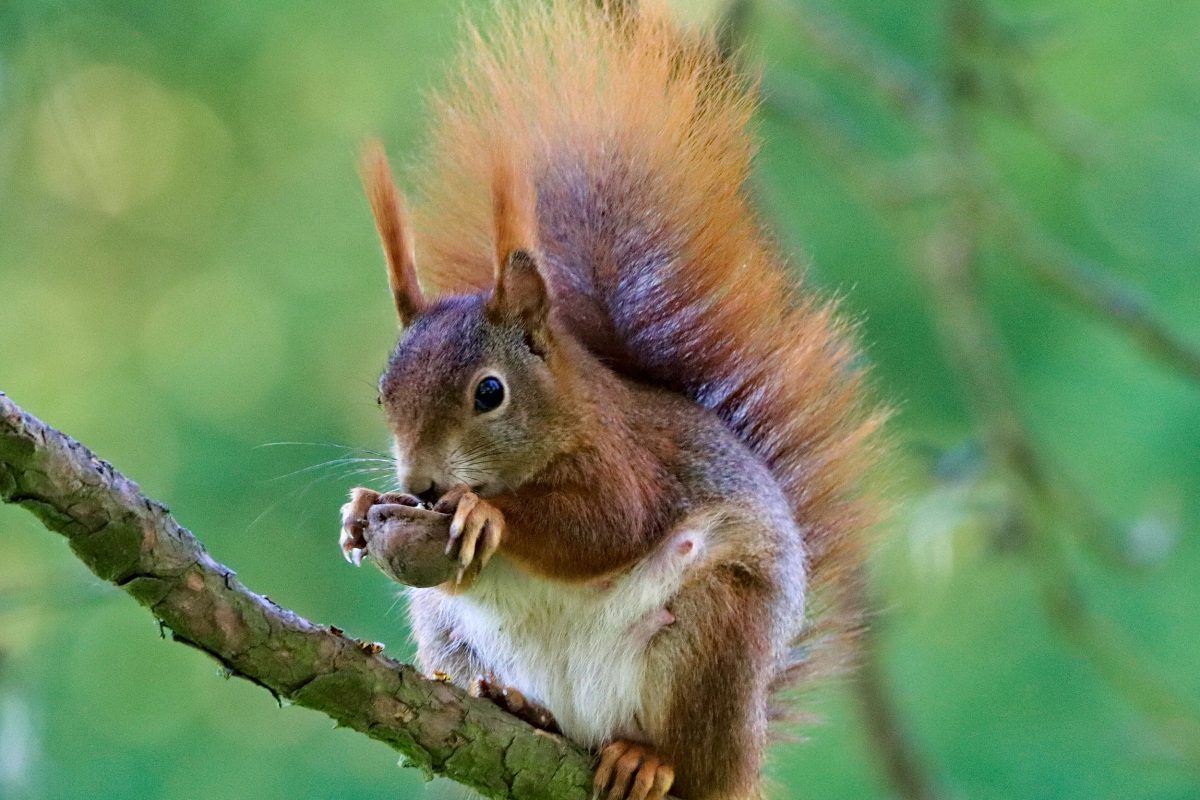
pixel 189 278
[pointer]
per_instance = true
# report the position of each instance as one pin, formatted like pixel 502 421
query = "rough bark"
pixel 133 542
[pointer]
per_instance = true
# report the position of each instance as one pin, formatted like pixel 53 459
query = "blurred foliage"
pixel 189 273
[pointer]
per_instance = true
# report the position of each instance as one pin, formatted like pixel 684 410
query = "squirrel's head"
pixel 471 390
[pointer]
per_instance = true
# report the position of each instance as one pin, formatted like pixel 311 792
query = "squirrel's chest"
pixel 579 650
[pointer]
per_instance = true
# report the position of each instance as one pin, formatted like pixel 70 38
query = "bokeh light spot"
pixel 215 344
pixel 108 138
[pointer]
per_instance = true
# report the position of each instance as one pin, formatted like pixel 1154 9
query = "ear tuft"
pixel 520 294
pixel 514 207
pixel 391 220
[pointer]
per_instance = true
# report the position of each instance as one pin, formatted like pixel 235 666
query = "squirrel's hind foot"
pixel 631 771
pixel 516 703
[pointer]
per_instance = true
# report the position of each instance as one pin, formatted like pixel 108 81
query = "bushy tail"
pixel 635 136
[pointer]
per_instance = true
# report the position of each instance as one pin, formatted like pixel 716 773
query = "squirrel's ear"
pixel 520 294
pixel 391 220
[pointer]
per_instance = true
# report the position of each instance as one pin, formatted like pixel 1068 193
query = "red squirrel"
pixel 650 446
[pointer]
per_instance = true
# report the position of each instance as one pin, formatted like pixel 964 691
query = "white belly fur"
pixel 577 649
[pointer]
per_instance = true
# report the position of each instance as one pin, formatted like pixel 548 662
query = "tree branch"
pixel 133 542
pixel 1091 287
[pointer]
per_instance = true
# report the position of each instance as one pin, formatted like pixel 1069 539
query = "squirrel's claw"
pixel 354 522
pixel 478 526
pixel 462 514
pixel 352 550
pixel 491 543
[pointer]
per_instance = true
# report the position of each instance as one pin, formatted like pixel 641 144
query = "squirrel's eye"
pixel 489 394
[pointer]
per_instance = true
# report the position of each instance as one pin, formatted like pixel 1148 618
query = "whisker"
pixel 332 445
pixel 481 447
pixel 333 463
pixel 365 471
pixel 483 464
pixel 297 494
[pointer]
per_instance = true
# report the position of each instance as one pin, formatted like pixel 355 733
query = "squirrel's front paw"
pixel 477 527
pixel 355 516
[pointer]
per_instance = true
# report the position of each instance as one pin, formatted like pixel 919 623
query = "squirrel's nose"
pixel 425 489
pixel 432 494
